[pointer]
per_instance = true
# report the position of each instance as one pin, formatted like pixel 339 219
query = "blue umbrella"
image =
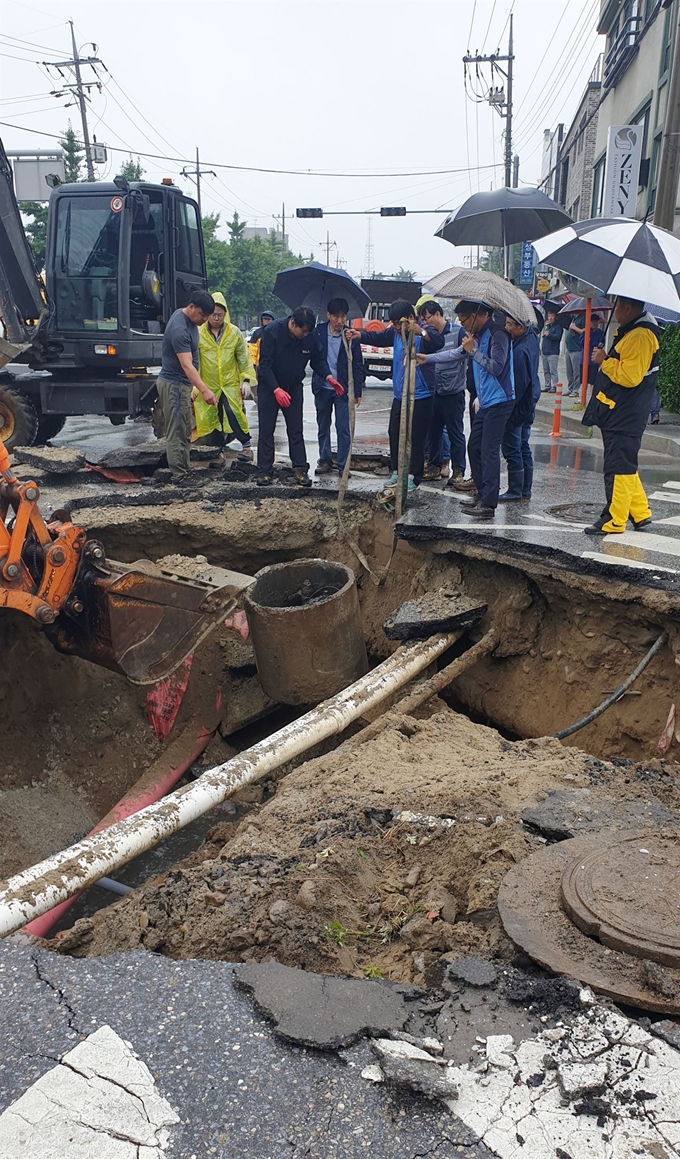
pixel 314 285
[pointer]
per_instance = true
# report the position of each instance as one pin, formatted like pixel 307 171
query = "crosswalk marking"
pixel 624 561
pixel 667 496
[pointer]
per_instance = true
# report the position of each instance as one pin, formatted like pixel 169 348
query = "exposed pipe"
pixel 38 889
pixel 424 690
pixel 153 784
pixel 114 886
pixel 656 647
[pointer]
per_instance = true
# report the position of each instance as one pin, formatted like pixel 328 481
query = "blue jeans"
pixel 325 402
pixel 517 453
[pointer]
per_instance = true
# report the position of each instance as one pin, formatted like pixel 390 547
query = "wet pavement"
pixel 568 495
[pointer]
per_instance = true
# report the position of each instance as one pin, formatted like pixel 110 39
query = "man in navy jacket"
pixel 328 336
pixel 550 349
pixel 515 446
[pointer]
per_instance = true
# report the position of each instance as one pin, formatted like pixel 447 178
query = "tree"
pixel 132 170
pixel 403 275
pixel 236 227
pixel 245 269
pixel 492 260
pixel 73 155
pixel 36 229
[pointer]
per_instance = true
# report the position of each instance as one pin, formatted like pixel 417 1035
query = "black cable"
pixel 656 647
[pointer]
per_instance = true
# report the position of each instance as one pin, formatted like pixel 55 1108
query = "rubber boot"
pixel 514 491
pixel 528 482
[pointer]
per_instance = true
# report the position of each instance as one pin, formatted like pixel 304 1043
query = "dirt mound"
pixel 380 858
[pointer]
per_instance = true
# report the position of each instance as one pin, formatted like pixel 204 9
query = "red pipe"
pixel 151 786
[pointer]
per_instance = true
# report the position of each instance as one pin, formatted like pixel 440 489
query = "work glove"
pixel 282 397
pixel 337 386
pixel 475 405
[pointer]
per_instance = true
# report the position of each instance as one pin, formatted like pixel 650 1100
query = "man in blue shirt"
pixel 327 401
pixel 449 396
pixel 427 338
pixel 488 346
pixel 516 447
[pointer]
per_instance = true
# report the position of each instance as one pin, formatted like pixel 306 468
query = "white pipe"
pixel 35 890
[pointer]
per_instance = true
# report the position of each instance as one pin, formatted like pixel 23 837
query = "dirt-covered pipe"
pixel 28 894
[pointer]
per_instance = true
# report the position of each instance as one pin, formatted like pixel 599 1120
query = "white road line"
pixel 667 496
pixel 623 561
pixel 100 1100
pixel 672 521
pixel 554 520
pixel 673 483
pixel 510 527
pixel 646 541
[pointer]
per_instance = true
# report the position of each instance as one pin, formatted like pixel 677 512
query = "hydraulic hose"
pixel 656 647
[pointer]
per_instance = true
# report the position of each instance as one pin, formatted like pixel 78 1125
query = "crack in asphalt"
pixel 62 1000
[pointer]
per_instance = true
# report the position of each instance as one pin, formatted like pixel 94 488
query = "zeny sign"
pixel 622 170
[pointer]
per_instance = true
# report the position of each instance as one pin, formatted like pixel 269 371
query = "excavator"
pixel 133 619
pixel 121 257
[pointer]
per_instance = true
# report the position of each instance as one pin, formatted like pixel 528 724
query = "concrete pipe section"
pixel 306 629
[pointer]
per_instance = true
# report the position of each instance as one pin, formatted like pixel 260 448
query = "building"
pixel 573 177
pixel 552 143
pixel 635 78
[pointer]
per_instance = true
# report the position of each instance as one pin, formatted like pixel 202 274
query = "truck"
pixel 383 292
pixel 121 257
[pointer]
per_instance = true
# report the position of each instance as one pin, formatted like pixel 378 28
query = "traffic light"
pixel 310 212
pixel 393 211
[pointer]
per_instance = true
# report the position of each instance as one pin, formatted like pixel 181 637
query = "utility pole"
pixel 283 223
pixel 328 248
pixel 669 168
pixel 195 175
pixel 515 171
pixel 80 91
pixel 499 96
pixel 368 256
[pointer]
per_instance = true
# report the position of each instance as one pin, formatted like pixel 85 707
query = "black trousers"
pixel 267 413
pixel 484 450
pixel 422 413
pixel 447 412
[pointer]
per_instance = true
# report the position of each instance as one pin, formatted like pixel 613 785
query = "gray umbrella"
pixel 502 217
pixel 483 286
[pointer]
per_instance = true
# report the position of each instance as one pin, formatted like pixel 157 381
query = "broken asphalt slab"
pixel 149 455
pixel 567 813
pixel 439 611
pixel 51 460
pixel 238 1090
pixel 319 1011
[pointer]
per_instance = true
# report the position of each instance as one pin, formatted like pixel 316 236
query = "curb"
pixel 661 444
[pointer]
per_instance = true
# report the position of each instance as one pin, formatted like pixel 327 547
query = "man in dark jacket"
pixel 619 406
pixel 516 447
pixel 550 349
pixel 286 347
pixel 329 338
pixel 489 349
pixel 449 396
pixel 427 339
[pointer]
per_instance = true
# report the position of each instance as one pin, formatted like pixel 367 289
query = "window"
pixel 598 188
pixel 86 262
pixel 576 210
pixel 581 134
pixel 189 256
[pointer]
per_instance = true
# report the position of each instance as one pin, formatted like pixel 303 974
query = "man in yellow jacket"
pixel 224 365
pixel 620 406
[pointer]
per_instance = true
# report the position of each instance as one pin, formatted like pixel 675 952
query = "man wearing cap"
pixel 488 346
pixel 619 406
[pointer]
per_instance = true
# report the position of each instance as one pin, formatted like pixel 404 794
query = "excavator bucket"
pixel 141 623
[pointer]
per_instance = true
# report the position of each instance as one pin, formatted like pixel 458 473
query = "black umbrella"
pixel 502 217
pixel 314 285
pixel 578 305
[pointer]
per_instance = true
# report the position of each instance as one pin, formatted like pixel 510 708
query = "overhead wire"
pixel 488 27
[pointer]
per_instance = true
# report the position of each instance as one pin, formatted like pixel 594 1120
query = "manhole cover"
pixel 531 910
pixel 576 512
pixel 628 895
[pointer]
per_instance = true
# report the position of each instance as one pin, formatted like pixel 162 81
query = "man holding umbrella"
pixel 619 406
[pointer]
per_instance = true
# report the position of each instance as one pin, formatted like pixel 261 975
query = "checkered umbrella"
pixel 618 256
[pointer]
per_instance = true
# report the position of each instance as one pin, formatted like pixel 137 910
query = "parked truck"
pixel 121 257
pixel 383 292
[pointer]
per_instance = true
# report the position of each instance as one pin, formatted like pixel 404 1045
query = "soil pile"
pixel 378 859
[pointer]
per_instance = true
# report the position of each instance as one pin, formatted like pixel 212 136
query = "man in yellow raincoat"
pixel 224 365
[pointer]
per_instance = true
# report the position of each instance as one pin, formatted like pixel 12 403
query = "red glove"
pixel 282 397
pixel 337 386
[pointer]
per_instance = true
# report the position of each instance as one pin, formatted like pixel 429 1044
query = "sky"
pixel 364 100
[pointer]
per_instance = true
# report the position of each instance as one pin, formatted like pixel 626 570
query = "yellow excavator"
pixel 140 622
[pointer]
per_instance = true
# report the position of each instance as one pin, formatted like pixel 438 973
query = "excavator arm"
pixel 137 621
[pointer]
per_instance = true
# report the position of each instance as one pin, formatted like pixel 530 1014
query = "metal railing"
pixel 622 51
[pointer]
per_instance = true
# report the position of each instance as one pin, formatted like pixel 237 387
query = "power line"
pixel 279 172
pixel 488 26
pixel 30 43
pixel 540 63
